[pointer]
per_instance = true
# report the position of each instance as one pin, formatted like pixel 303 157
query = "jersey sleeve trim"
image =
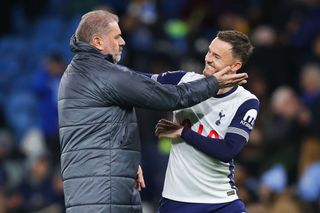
pixel 238 131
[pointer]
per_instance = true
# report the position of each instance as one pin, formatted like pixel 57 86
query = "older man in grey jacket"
pixel 100 146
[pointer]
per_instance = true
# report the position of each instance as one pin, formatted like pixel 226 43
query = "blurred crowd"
pixel 279 169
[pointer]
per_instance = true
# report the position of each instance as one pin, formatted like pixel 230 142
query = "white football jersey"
pixel 193 176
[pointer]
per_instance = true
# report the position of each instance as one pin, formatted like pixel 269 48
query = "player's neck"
pixel 224 90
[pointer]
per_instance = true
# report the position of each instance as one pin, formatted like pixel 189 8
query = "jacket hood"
pixel 80 46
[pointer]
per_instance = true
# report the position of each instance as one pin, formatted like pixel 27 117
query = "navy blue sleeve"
pixel 171 77
pixel 236 137
pixel 222 149
pixel 244 119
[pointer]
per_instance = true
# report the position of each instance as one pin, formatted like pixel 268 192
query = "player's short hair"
pixel 94 22
pixel 241 45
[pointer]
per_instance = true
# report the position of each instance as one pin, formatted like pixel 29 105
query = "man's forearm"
pixel 221 149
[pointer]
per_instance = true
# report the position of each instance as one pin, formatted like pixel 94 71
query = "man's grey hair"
pixel 93 23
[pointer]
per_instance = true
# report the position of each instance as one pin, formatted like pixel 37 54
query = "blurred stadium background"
pixel 279 169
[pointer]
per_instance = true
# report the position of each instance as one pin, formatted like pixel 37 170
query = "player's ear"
pixel 236 66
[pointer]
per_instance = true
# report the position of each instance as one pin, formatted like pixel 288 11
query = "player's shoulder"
pixel 191 76
pixel 245 94
pixel 169 77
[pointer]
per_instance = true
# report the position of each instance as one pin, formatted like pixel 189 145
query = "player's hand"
pixel 227 78
pixel 140 180
pixel 168 129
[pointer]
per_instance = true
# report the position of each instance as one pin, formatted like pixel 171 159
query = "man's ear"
pixel 236 66
pixel 96 42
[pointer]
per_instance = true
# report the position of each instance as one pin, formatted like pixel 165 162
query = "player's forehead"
pixel 218 45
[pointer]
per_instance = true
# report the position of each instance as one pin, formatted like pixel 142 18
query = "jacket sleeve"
pixel 129 89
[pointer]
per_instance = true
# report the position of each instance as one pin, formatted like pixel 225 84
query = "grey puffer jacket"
pixel 100 146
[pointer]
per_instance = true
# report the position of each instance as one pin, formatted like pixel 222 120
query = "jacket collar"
pixel 80 46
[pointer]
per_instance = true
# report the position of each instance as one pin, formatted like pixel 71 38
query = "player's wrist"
pixel 179 131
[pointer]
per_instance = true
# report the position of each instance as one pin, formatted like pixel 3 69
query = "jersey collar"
pixel 227 93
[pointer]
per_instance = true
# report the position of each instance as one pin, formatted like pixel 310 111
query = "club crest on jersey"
pixel 249 118
pixel 221 115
